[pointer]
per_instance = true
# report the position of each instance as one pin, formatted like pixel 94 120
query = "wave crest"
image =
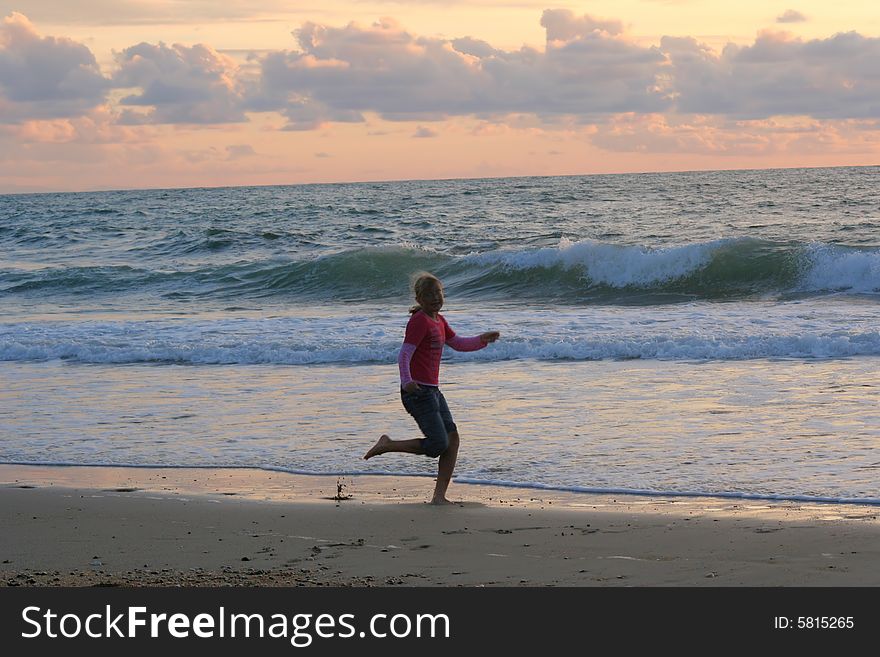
pixel 581 272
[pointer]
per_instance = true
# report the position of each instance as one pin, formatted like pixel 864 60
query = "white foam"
pixel 611 264
pixel 699 331
pixel 834 268
pixel 671 347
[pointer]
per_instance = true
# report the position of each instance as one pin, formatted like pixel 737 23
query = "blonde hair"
pixel 421 281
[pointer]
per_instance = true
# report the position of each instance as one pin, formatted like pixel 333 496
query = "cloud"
pixel 179 84
pixel 590 69
pixel 563 25
pixel 778 75
pixel 98 127
pixel 239 151
pixel 657 133
pixel 338 74
pixel 791 16
pixel 475 47
pixel 45 77
pixel 707 135
pixel 591 78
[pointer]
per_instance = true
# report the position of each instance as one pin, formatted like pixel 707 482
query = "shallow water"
pixel 767 427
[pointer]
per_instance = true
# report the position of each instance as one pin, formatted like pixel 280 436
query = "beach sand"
pixel 85 526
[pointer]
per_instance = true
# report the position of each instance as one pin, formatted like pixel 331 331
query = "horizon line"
pixel 412 180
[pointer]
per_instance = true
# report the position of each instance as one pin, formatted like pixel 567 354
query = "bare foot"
pixel 441 501
pixel 379 448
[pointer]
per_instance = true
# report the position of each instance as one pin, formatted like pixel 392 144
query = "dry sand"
pixel 169 527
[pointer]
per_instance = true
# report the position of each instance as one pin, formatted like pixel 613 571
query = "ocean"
pixel 698 333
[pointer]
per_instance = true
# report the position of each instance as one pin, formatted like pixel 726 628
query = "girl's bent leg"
pixel 385 444
pixel 445 467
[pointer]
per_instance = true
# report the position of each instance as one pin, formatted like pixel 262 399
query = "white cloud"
pixel 590 69
pixel 591 73
pixel 45 77
pixel 179 84
pixel 340 73
pixel 563 25
pixel 97 127
pixel 791 16
pixel 778 75
pixel 708 135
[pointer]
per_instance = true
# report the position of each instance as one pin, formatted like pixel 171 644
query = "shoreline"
pixel 86 525
pixel 57 473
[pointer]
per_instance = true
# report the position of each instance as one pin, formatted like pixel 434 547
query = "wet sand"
pixel 85 526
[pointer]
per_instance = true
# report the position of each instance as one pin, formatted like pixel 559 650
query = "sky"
pixel 122 94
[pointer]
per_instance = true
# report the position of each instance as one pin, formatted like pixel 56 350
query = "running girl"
pixel 419 362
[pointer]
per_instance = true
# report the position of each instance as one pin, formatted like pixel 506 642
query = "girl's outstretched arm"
pixel 472 344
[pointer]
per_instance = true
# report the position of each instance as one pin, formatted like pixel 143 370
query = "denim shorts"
pixel 428 406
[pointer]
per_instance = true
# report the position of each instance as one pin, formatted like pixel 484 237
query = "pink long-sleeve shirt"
pixel 419 357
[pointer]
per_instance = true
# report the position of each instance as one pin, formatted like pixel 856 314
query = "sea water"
pixel 688 333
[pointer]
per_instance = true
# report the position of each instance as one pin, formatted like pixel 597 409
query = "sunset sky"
pixel 107 94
